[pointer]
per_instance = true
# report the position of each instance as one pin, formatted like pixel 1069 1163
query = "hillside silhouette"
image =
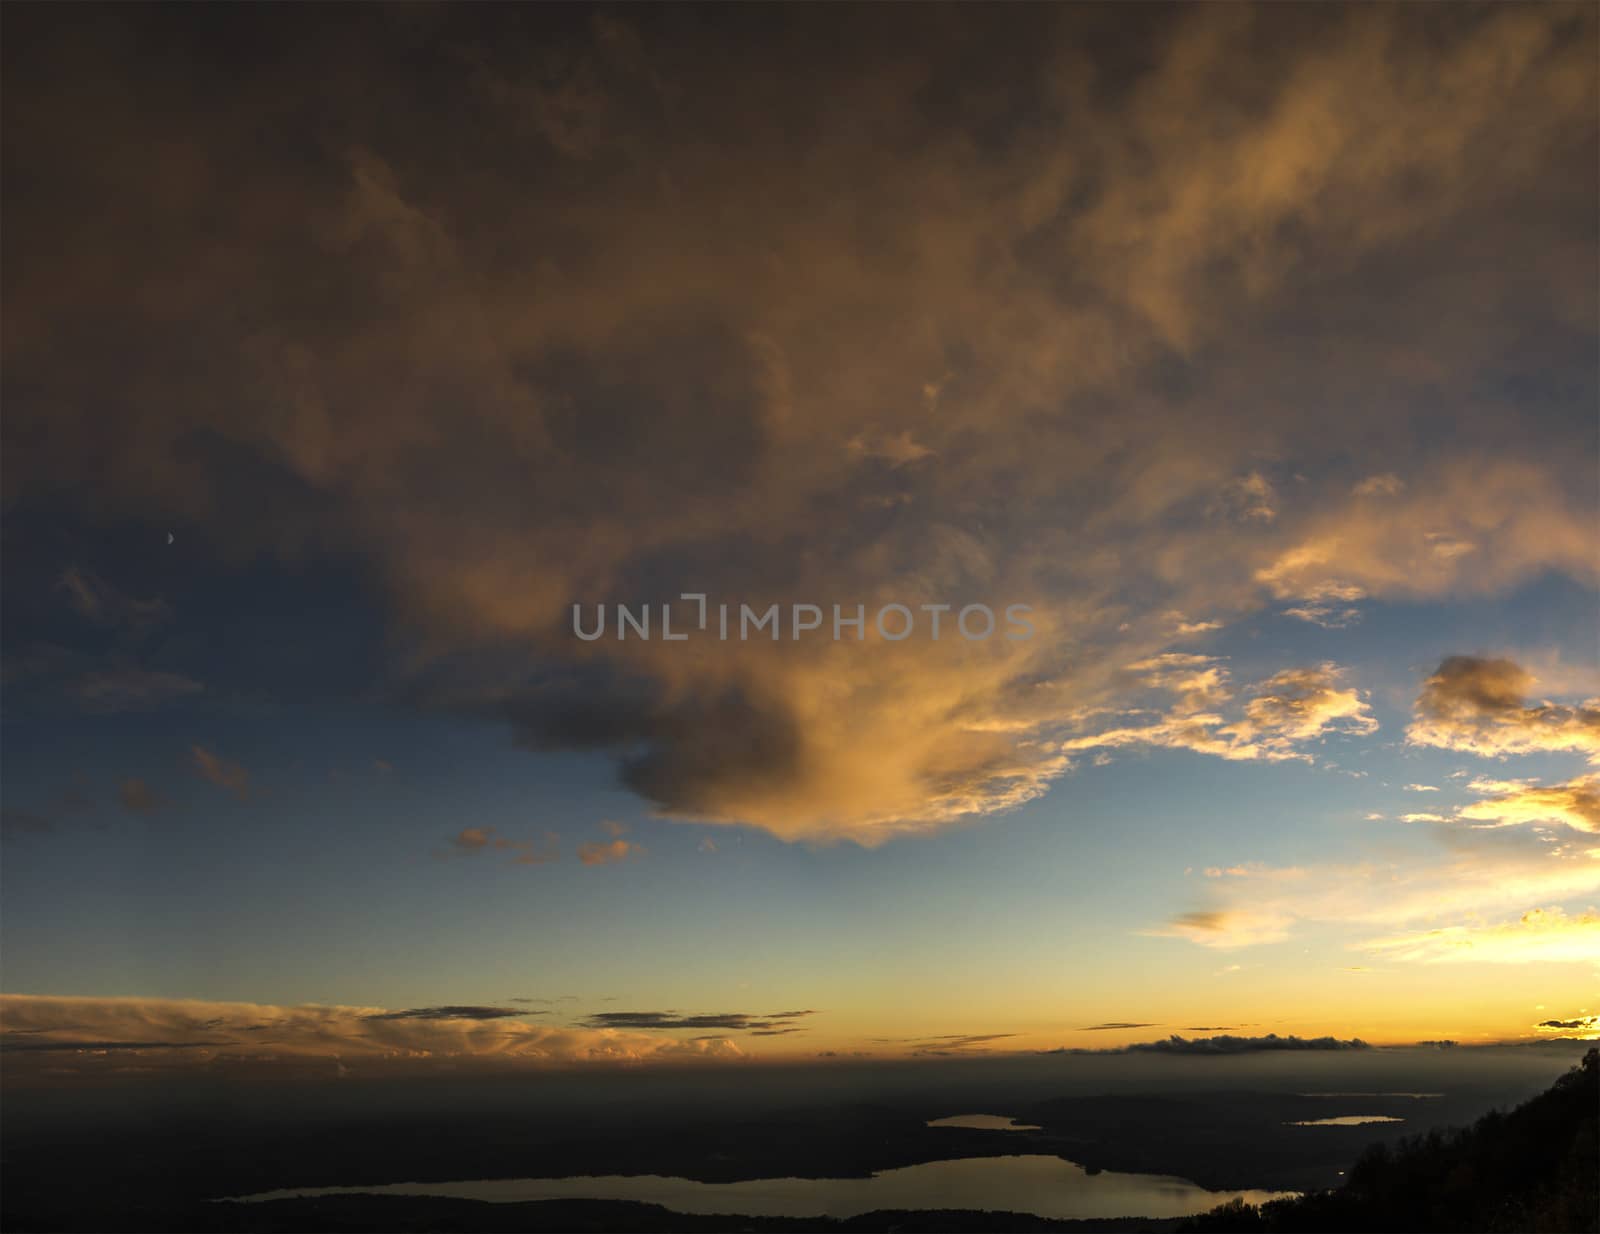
pixel 1535 1170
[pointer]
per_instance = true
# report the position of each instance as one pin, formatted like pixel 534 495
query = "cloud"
pixel 1582 1026
pixel 131 689
pixel 1465 527
pixel 137 797
pixel 1385 484
pixel 107 682
pixel 1227 928
pixel 1251 498
pixel 734 1021
pixel 1058 320
pixel 473 841
pixel 1325 615
pixel 448 1013
pixel 1469 876
pixel 95 1035
pixel 1184 628
pixel 897 451
pixel 1302 704
pixel 1244 1045
pixel 1270 1043
pixel 954 1045
pixel 96 600
pixel 1480 706
pixel 1289 710
pixel 606 852
pixel 69 803
pixel 1541 935
pixel 529 853
pixel 1115 1025
pixel 1575 804
pixel 470 840
pixel 221 772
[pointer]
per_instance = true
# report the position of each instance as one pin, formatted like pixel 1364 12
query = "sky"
pixel 1239 362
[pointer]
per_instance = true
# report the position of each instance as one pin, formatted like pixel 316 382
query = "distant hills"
pixel 1535 1170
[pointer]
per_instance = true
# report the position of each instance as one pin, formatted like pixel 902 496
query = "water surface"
pixel 1346 1120
pixel 1043 1185
pixel 983 1122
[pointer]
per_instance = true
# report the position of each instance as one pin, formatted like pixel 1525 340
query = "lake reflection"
pixel 983 1122
pixel 1346 1120
pixel 1046 1186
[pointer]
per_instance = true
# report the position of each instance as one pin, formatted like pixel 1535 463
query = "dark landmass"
pixel 155 1156
pixel 166 1162
pixel 1532 1171
pixel 1228 1142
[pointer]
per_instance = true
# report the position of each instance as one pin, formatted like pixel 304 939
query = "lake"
pixel 982 1122
pixel 1043 1185
pixel 1346 1120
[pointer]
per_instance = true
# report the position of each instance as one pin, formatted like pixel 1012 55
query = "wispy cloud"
pixel 771 1024
pixel 1546 935
pixel 137 797
pixel 99 601
pixel 221 772
pixel 608 852
pixel 1276 720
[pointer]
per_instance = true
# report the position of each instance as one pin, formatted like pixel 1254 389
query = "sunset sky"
pixel 347 348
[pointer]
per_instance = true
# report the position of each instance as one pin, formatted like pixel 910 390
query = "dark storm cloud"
pixel 467 1012
pixel 735 1021
pixel 1244 1045
pixel 1225 1045
pixel 729 735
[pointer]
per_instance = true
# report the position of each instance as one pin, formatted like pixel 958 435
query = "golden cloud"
pixel 1541 935
pixel 637 336
pixel 1480 706
pixel 1288 710
pixel 1575 804
pixel 96 1035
